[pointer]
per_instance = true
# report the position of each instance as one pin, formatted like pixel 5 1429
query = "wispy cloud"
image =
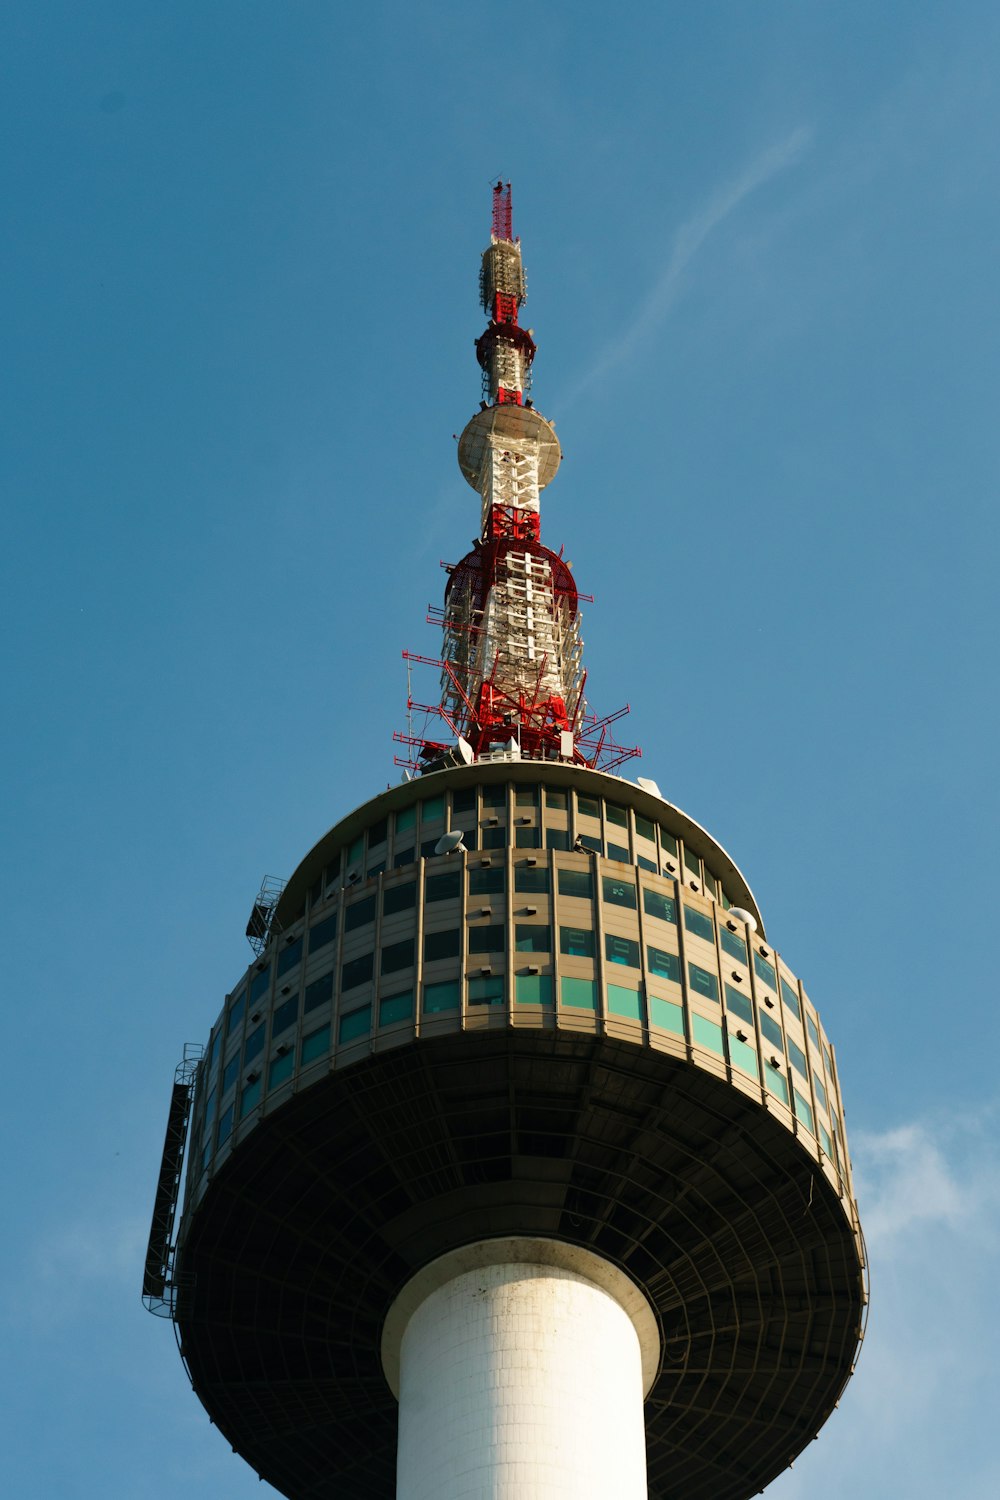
pixel 688 240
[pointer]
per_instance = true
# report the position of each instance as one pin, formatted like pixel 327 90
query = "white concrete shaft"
pixel 521 1381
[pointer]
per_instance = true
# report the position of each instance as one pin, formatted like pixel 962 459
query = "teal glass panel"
pixel 555 798
pixel 824 1140
pixel 655 905
pixel 803 1110
pixel 531 880
pixel 250 1098
pixel 445 887
pixel 493 838
pixel 743 1056
pixel 289 956
pixel 668 842
pixel 770 1028
pixel 285 1015
pixel 533 989
pixel 733 945
pixel 432 809
pixel 495 796
pixel 618 852
pixel 489 938
pixel 617 816
pixel 525 796
pixel 666 1014
pixel 441 945
pixel 357 971
pixel 588 807
pixel 645 864
pixel 618 892
pixel 821 1098
pixel 706 1033
pixel 322 933
pixel 230 1071
pixel 360 914
pixel 556 838
pixel 254 1043
pixel 791 999
pixel 532 937
pixel 698 923
pixel 619 950
pixel 355 851
pixel 527 838
pixel 576 942
pixel 776 1083
pixel 395 1008
pixel 406 818
pixel 664 965
pixel 645 829
pixel 765 971
pixel 798 1058
pixel 711 884
pixel 691 861
pixel 739 1004
pixel 356 1024
pixel 236 1012
pixel 280 1069
pixel 591 842
pixel 813 1031
pixel 225 1125
pixel 490 881
pixel 576 883
pixel 216 1049
pixel 486 990
pixel 438 997
pixel 396 898
pixel 316 1044
pixel 624 1002
pixel 579 993
pixel 702 982
pixel 318 992
pixel 260 987
pixel 210 1104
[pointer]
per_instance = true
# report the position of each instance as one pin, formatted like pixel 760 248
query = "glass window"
pixel 356 850
pixel 577 942
pixel 531 880
pixel 589 841
pixel 743 1056
pixel 249 1098
pixel 315 1044
pixel 619 950
pixel 555 798
pixel 576 883
pixel 441 945
pixel 399 898
pixel 210 1104
pixel 739 1004
pixel 556 838
pixel 691 861
pixel 464 800
pixel 527 838
pixel 588 807
pixel 492 881
pixel 432 809
pixel 225 1125
pixel 254 1043
pixel 493 838
pixel 764 971
pixel 618 852
pixel 216 1049
pixel 357 971
pixel 445 887
pixel 428 848
pixel 533 989
pixel 532 937
pixel 319 992
pixel 791 999
pixel 356 1024
pixel 581 994
pixel 378 833
pixel 235 1016
pixel 824 1140
pixel 618 892
pixel 706 1033
pixel 803 1110
pixel 405 857
pixel 438 997
pixel 668 843
pixel 259 987
pixel 525 796
pixel 495 796
pixel 396 956
pixel 666 1014
pixel 655 905
pixel 711 884
pixel 486 990
pixel 406 818
pixel 702 982
pixel 289 956
pixel 395 1008
pixel 332 870
pixel 490 938
pixel 322 933
pixel 360 914
pixel 733 945
pixel 231 1069
pixel 616 816
pixel 776 1083
pixel 798 1058
pixel 645 864
pixel 280 1069
pixel 664 965
pixel 285 1015
pixel 645 829
pixel 770 1028
pixel 699 924
pixel 821 1098
pixel 623 1001
pixel 813 1031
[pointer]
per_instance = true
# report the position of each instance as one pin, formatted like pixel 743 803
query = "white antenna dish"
pixel 465 752
pixel 450 843
pixel 649 786
pixel 738 914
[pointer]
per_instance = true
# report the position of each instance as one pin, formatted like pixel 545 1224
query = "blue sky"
pixel 240 285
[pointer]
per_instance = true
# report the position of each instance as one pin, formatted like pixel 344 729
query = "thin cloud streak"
pixel 687 242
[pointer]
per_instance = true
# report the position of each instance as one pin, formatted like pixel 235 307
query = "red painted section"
pixel 503 212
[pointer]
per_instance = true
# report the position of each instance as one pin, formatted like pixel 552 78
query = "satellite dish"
pixel 450 843
pixel 465 752
pixel 738 913
pixel 649 786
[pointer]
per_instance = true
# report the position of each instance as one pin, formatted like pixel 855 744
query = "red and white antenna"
pixel 512 676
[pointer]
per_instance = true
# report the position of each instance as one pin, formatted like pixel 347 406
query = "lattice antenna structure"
pixel 511 665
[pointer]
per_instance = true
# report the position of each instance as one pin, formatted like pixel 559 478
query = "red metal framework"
pixel 502 212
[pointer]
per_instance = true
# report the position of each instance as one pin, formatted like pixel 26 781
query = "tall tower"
pixel 516 1163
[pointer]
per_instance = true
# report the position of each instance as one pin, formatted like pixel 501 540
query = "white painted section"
pixel 519 1380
